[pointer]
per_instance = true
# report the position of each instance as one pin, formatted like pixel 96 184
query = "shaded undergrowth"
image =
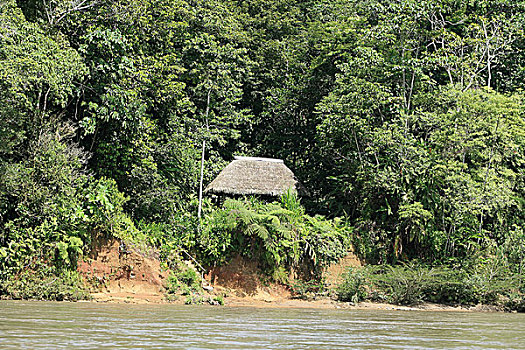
pixel 410 284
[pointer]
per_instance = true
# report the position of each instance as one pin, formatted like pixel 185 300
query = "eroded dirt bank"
pixel 121 274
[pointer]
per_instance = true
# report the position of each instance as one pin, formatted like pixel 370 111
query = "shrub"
pixel 448 286
pixel 515 301
pixel 219 299
pixel 412 283
pixel 402 284
pixel 307 289
pixel 354 286
pixel 185 281
pixel 46 285
pixel 280 236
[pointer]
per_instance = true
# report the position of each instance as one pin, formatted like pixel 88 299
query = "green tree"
pixel 38 73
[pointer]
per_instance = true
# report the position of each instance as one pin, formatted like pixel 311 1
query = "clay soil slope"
pixel 119 273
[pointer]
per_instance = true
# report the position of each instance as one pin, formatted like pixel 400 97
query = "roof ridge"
pixel 259 159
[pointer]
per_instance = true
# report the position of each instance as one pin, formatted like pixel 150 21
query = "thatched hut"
pixel 255 176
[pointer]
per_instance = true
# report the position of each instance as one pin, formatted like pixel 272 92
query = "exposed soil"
pixel 117 273
pixel 333 273
pixel 120 274
pixel 241 280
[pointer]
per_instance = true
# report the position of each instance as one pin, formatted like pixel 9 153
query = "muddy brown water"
pixel 49 325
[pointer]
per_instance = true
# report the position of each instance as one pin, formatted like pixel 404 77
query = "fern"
pixel 281 235
pixel 258 231
pixel 283 214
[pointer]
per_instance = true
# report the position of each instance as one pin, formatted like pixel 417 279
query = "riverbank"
pixel 286 302
pixel 133 277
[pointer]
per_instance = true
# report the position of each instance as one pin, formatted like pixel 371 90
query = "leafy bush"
pixel 412 283
pixel 219 299
pixel 277 235
pixel 307 289
pixel 354 287
pixel 185 281
pixel 515 301
pixel 402 284
pixel 45 285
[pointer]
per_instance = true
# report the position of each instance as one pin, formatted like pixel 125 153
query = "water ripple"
pixel 46 325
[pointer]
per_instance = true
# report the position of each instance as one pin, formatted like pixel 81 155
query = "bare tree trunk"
pixel 53 10
pixel 487 42
pixel 199 211
pixel 201 179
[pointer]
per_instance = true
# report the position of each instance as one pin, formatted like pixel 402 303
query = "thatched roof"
pixel 262 176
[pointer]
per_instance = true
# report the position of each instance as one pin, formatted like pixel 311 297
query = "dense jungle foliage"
pixel 404 118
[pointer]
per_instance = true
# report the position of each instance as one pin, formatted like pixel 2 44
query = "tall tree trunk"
pixel 201 179
pixel 199 211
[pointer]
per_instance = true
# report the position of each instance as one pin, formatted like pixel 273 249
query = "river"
pixel 53 325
